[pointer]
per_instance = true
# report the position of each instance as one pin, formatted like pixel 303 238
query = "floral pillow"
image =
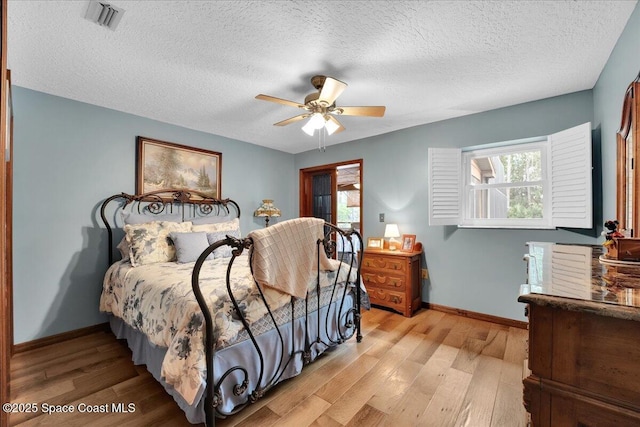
pixel 233 225
pixel 149 243
pixel 123 247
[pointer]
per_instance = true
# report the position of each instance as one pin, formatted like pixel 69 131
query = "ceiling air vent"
pixel 104 14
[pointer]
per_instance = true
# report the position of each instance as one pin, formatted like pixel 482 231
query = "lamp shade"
pixel 318 121
pixel 267 209
pixel 391 230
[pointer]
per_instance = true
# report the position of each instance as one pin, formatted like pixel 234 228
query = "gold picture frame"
pixel 164 165
pixel 375 243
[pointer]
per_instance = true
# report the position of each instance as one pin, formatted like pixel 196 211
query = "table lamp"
pixel 391 232
pixel 267 210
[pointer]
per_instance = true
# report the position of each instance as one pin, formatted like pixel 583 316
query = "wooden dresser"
pixel 393 279
pixel 584 338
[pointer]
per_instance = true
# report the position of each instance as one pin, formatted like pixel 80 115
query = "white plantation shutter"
pixel 445 177
pixel 571 271
pixel 570 168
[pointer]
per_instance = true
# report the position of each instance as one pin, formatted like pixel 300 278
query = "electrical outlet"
pixel 381 217
pixel 425 273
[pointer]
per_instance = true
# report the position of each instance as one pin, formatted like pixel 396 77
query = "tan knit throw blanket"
pixel 285 255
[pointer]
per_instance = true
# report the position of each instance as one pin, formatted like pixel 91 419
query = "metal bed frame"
pixel 193 203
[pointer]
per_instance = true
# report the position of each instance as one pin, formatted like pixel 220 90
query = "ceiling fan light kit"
pixel 321 109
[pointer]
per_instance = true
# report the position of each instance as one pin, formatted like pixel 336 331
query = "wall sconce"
pixel 391 231
pixel 267 210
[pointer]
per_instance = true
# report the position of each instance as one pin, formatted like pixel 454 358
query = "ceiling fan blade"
pixel 377 111
pixel 334 120
pixel 279 101
pixel 292 120
pixel 331 89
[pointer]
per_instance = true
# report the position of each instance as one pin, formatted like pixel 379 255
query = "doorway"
pixel 334 193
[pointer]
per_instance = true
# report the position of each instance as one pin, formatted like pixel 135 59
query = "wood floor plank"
pixel 360 393
pixel 262 417
pixel 431 369
pixel 305 413
pixel 508 408
pixel 301 387
pixel 428 319
pixel 428 346
pixel 53 351
pixel 477 407
pixel 496 343
pixel 468 356
pixel 434 371
pixel 368 416
pixel 446 402
pixel 396 385
pixel 325 421
pixel 339 384
pixel 409 408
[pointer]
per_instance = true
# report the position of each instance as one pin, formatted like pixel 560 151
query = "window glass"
pixel 504 183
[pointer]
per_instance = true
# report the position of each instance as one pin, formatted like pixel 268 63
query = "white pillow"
pixel 233 225
pixel 214 219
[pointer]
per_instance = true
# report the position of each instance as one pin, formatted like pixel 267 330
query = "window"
pixel 540 182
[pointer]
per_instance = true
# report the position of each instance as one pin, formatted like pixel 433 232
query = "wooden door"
pixel 319 191
pixel 317 197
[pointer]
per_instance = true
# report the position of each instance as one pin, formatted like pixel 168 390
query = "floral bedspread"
pixel 157 300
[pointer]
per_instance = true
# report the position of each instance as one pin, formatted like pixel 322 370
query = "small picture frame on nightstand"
pixel 408 242
pixel 375 243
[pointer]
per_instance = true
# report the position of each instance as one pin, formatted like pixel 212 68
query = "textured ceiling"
pixel 199 64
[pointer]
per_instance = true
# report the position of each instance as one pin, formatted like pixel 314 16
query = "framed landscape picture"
pixel 164 165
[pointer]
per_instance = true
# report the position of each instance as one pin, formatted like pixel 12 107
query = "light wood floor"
pixel 434 369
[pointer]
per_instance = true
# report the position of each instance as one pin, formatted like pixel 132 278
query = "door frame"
pixel 306 175
pixel 5 226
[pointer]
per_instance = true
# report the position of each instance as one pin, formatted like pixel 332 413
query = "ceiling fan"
pixel 320 107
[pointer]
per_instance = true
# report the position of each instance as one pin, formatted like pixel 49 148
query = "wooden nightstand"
pixel 393 279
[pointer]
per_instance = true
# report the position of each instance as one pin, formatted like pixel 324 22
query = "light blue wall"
pixel 69 156
pixel 621 69
pixel 473 269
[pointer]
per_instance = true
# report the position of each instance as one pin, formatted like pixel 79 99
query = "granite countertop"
pixel 578 278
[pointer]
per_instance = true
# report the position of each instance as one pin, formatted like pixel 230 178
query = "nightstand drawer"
pixel 384 297
pixel 376 279
pixel 385 263
pixel 392 279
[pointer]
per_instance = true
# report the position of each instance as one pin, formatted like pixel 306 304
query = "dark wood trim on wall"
pixel 5 283
pixel 478 316
pixel 64 336
pixel 9 214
